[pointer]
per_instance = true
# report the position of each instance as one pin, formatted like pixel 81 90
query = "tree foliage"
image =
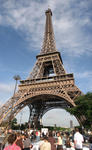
pixel 13 123
pixel 83 109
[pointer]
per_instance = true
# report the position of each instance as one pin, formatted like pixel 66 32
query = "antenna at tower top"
pixel 48 11
pixel 48 6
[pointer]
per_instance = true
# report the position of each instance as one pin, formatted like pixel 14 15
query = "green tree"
pixel 83 109
pixel 13 123
pixel 24 126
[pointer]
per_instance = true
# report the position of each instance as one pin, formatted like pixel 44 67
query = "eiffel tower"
pixel 48 85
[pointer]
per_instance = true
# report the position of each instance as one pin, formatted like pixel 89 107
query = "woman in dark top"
pixel 19 141
pixel 52 141
pixel 90 142
pixel 67 142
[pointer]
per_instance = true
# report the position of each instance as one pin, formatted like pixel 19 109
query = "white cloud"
pixel 86 74
pixel 6 91
pixel 0 19
pixel 6 87
pixel 84 80
pixel 60 118
pixel 1 103
pixel 23 115
pixel 70 20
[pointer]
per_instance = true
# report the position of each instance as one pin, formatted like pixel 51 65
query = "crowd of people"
pixel 48 141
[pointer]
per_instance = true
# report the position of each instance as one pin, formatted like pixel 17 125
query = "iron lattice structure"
pixel 48 85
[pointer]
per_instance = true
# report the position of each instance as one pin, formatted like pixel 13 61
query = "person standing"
pixel 68 143
pixel 78 140
pixel 90 142
pixel 45 145
pixel 27 143
pixel 11 141
pixel 52 141
pixel 19 141
pixel 59 142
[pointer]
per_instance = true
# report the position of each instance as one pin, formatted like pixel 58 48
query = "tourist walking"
pixel 59 142
pixel 52 141
pixel 78 140
pixel 11 143
pixel 19 140
pixel 27 143
pixel 37 135
pixel 68 143
pixel 45 145
pixel 90 142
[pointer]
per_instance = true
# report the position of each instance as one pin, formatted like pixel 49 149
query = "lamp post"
pixel 16 78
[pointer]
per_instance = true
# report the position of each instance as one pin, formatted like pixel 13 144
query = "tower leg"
pixel 34 117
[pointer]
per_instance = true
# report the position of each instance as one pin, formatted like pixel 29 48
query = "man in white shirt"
pixel 45 145
pixel 78 140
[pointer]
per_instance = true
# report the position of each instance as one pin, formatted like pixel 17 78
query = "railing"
pixel 44 79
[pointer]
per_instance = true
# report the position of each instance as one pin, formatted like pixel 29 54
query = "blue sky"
pixel 22 25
